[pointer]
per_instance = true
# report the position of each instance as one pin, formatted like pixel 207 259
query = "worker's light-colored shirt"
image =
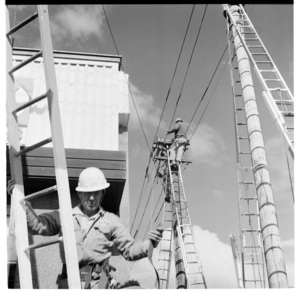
pixel 97 237
pixel 179 130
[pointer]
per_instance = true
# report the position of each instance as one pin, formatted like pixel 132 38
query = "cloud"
pixel 149 113
pixel 20 7
pixel 277 163
pixel 216 260
pixel 77 23
pixel 207 145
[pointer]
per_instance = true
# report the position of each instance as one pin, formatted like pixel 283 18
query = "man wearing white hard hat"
pixel 177 148
pixel 98 232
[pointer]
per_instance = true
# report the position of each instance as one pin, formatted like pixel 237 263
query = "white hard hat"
pixel 178 120
pixel 91 179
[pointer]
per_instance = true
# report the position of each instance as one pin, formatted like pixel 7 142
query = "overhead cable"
pixel 188 65
pixel 175 70
pixel 214 89
pixel 207 87
pixel 126 79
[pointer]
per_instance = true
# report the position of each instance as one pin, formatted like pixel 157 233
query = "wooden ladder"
pixel 277 95
pixel 18 225
pixel 253 261
pixel 187 262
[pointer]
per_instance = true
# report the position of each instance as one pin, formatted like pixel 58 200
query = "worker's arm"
pixel 176 127
pixel 130 249
pixel 44 224
pixel 47 224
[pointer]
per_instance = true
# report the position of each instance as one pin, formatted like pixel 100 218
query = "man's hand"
pixel 168 132
pixel 156 235
pixel 10 186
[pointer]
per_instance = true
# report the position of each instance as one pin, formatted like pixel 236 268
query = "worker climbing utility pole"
pixel 275 263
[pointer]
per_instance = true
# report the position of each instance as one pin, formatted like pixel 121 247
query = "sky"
pixel 149 38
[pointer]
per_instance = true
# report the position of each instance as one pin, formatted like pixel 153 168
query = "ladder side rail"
pixel 264 85
pixel 183 251
pixel 192 234
pixel 59 152
pixel 250 55
pixel 269 56
pixel 18 215
pixel 279 120
pixel 190 226
pixel 231 57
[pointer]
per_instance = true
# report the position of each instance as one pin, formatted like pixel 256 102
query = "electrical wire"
pixel 208 103
pixel 207 88
pixel 167 97
pixel 183 83
pixel 122 66
pixel 214 88
pixel 175 70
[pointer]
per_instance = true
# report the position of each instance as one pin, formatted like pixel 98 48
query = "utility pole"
pixel 275 263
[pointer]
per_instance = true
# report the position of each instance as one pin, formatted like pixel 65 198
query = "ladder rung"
pixel 40 193
pixel 241 138
pixel 288 114
pixel 238 95
pixel 273 80
pixel 284 101
pixel 32 147
pixel 248 32
pixel 251 230
pixel 275 89
pixel 25 62
pixel 42 244
pixel 263 62
pixel 245 153
pixel 249 198
pixel 252 39
pixel 242 124
pixel 254 46
pixel 250 263
pixel 254 280
pixel 30 103
pixel 240 109
pixel 290 128
pixel 267 70
pixel 258 54
pixel 252 246
pixel 166 250
pixel 23 23
pixel 247 182
pixel 250 214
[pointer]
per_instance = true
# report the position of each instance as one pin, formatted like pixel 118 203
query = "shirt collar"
pixel 78 211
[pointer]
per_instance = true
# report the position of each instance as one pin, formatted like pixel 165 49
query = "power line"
pixel 175 70
pixel 207 87
pixel 165 105
pixel 188 65
pixel 208 102
pixel 214 88
pixel 126 78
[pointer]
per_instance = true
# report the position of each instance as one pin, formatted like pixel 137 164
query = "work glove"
pixel 168 132
pixel 156 235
